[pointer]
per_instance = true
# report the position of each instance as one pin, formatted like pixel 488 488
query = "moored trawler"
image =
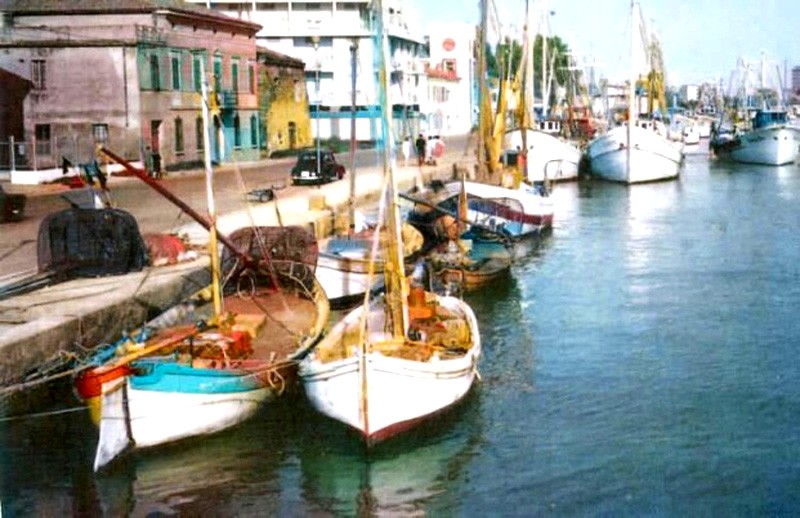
pixel 771 141
pixel 650 158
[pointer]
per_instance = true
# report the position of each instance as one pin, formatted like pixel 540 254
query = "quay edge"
pixel 83 313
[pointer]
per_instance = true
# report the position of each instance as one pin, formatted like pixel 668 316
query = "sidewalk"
pixel 47 189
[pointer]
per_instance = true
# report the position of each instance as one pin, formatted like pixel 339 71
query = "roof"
pixel 270 57
pixel 80 7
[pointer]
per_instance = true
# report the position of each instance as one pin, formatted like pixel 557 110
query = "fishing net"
pixel 79 242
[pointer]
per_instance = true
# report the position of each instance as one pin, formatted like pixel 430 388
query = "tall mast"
pixel 545 97
pixel 353 70
pixel 393 261
pixel 632 108
pixel 212 213
pixel 482 91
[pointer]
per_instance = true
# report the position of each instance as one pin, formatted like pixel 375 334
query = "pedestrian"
pixel 406 150
pixel 420 145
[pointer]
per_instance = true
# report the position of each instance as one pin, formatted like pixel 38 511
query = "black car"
pixel 305 170
pixel 12 206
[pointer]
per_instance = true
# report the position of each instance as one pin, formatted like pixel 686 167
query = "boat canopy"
pixel 766 118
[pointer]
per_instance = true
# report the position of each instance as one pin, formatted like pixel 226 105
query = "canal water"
pixel 643 360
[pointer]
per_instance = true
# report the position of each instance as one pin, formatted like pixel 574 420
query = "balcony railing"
pixel 228 99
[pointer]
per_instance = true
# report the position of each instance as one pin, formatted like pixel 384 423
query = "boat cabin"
pixel 553 127
pixel 767 118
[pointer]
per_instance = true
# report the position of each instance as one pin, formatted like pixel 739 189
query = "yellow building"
pixel 283 102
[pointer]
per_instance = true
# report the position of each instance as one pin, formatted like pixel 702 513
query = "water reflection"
pixel 43 467
pixel 226 474
pixel 410 475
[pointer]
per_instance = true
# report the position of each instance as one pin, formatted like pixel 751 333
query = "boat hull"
pixel 345 280
pixel 400 392
pixel 652 158
pixel 549 157
pixel 499 212
pixel 768 146
pixel 175 402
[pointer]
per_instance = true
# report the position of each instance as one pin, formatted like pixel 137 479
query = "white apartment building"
pixel 324 34
pixel 451 104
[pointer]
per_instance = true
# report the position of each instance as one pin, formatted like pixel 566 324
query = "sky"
pixel 701 40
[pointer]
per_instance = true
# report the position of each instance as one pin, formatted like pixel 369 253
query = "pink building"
pixel 126 73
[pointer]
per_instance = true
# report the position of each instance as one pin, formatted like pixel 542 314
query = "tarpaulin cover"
pixel 90 243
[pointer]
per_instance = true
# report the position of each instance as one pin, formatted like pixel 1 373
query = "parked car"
pixel 305 170
pixel 12 206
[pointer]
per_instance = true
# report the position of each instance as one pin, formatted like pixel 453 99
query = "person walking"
pixel 420 145
pixel 406 150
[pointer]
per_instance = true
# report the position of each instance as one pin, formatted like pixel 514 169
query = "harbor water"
pixel 643 360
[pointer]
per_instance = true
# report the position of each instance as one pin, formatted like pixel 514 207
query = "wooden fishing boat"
pixel 343 265
pixel 263 312
pixel 462 265
pixel 492 211
pixel 400 357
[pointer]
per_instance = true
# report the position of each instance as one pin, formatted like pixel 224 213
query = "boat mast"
pixel 394 273
pixel 353 66
pixel 545 97
pixel 212 212
pixel 632 108
pixel 483 94
pixel 526 85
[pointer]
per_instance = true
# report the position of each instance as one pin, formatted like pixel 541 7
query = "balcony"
pixel 227 99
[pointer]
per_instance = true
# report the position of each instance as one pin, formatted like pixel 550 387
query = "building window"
pixel 217 73
pixel 235 75
pixel 253 131
pixel 197 73
pixel 43 143
pixel 251 78
pixel 178 135
pixel 100 133
pixel 299 90
pixel 175 64
pixel 237 132
pixel 199 129
pixel 38 74
pixel 155 73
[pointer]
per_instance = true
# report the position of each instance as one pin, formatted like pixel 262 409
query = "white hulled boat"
pixel 771 141
pixel 549 157
pixel 630 153
pixel 636 156
pixel 403 356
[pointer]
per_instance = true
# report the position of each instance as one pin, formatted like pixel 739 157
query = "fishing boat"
pixel 461 265
pixel 631 153
pixel 343 264
pixel 210 363
pixel 493 212
pixel 548 157
pixel 540 152
pixel 403 356
pixel 768 139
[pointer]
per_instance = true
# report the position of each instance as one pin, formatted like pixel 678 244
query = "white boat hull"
pixel 343 280
pixel 400 392
pixel 652 157
pixel 144 418
pixel 769 146
pixel 549 157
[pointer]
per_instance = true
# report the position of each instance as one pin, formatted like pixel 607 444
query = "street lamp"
pixel 315 43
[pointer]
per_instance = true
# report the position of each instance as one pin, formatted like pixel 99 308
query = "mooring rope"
pixel 37 415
